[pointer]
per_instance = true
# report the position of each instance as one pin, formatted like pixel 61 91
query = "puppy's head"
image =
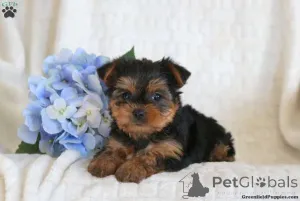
pixel 143 94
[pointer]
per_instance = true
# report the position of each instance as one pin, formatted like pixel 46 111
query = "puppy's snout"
pixel 139 114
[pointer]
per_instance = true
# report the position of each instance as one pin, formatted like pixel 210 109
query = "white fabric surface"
pixel 41 178
pixel 243 55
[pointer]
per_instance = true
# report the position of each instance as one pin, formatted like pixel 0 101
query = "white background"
pixel 242 54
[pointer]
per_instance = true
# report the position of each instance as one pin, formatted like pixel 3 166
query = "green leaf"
pixel 129 55
pixel 25 148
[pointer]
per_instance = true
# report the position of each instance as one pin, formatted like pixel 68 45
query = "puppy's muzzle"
pixel 139 114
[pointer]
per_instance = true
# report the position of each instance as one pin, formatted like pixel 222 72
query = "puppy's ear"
pixel 108 73
pixel 178 74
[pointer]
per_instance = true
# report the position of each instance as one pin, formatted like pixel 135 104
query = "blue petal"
pixel 72 129
pixel 76 102
pixel 32 97
pixel 49 125
pixel 82 129
pixel 49 90
pixel 77 77
pixel 45 102
pixel 45 146
pixel 51 148
pixel 69 93
pixel 26 135
pixel 34 80
pixel 89 141
pixel 57 149
pixel 80 51
pixel 45 136
pixel 70 139
pixel 94 84
pixel 53 97
pixel 61 136
pixel 48 63
pixel 100 140
pixel 59 85
pixel 104 128
pixel 59 104
pixel 70 111
pixel 89 70
pixel 64 56
pixel 90 59
pixel 77 147
pixel 33 122
pixel 105 102
pixel 68 69
pixel 79 57
pixel 54 75
pixel 103 85
pixel 41 91
pixel 33 108
pixel 100 61
pixel 32 88
pixel 49 145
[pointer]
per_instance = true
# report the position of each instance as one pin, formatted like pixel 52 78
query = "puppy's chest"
pixel 139 144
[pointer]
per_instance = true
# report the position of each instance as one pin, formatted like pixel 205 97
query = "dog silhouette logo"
pixel 192 187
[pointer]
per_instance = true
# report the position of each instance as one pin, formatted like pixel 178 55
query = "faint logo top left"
pixel 9 9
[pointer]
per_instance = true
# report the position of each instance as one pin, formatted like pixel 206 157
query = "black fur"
pixel 197 133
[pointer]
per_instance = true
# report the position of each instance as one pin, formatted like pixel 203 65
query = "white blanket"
pixel 41 178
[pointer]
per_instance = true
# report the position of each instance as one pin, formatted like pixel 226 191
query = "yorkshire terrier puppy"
pixel 151 131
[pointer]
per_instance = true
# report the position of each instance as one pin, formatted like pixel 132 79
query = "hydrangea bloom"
pixel 68 108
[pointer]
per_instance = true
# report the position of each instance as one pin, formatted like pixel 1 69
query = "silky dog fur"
pixel 151 131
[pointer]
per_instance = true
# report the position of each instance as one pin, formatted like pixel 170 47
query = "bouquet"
pixel 68 108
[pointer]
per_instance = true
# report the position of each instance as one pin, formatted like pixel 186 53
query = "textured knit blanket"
pixel 42 178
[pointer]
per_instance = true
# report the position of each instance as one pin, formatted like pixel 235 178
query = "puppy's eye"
pixel 126 95
pixel 156 97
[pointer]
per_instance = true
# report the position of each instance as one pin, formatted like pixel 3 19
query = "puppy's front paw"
pixel 131 171
pixel 104 165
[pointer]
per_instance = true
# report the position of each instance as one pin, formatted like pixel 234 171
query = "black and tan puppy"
pixel 151 131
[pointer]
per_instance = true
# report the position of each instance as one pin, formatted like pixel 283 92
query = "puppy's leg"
pixel 149 161
pixel 107 162
pixel 223 150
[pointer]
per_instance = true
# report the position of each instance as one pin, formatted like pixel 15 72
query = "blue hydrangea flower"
pixel 60 110
pixel 83 143
pixel 68 107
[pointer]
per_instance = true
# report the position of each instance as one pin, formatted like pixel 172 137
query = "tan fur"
pixel 164 149
pixel 156 120
pixel 108 73
pixel 220 153
pixel 144 164
pixel 107 162
pixel 126 83
pixel 157 84
pixel 176 75
pixel 160 120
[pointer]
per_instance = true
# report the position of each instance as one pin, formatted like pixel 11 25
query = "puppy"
pixel 151 131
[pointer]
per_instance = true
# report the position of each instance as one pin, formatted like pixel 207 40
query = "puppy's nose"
pixel 139 114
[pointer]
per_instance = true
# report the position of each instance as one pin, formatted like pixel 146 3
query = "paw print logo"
pixel 261 182
pixel 9 12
